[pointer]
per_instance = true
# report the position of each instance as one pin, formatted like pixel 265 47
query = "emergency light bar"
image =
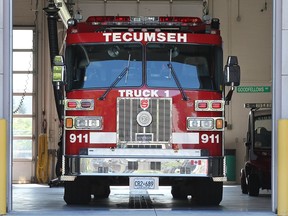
pixel 257 105
pixel 105 19
pixel 193 20
pixel 149 20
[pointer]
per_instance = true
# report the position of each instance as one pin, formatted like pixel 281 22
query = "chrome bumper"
pixel 144 162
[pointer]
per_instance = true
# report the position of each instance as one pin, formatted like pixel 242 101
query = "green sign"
pixel 253 89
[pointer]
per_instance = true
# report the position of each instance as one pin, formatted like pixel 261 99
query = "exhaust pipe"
pixel 52 17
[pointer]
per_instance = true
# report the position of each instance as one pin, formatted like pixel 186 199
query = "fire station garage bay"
pixel 189 117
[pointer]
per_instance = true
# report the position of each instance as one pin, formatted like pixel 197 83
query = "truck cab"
pixel 256 173
pixel 142 104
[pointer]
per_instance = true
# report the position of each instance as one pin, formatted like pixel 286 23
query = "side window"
pixel 23 93
pixel 263 132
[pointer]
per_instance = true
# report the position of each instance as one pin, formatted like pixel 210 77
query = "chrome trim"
pixel 219 179
pixel 67 178
pixel 138 163
pixel 143 153
pixel 127 126
pixel 143 167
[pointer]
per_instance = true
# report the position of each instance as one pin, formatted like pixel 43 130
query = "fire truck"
pixel 256 173
pixel 142 101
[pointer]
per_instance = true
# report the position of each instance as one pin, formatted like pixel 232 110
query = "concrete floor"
pixel 33 199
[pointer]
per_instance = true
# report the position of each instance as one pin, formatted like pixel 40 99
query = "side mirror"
pixel 58 69
pixel 232 72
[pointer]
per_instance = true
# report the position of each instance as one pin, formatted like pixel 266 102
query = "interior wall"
pixel 246 28
pixel 139 8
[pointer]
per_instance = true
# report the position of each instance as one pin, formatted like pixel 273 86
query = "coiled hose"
pixel 42 166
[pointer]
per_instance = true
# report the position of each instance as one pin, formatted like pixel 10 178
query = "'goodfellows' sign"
pixel 253 89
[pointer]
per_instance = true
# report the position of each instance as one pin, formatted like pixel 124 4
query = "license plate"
pixel 143 183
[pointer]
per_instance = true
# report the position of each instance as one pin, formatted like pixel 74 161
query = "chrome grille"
pixel 159 129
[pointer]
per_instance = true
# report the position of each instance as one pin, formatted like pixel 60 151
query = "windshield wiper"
pixel 124 72
pixel 172 71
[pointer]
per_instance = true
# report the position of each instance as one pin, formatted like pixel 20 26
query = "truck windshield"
pixel 196 66
pixel 263 128
pixel 99 65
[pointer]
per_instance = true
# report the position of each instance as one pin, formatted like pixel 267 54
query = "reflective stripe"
pixel 102 137
pixel 186 138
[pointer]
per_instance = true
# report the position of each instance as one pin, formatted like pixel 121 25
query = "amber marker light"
pixel 69 122
pixel 219 123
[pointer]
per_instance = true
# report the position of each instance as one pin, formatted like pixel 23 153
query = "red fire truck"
pixel 142 102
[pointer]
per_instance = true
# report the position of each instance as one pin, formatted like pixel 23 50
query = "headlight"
pixel 207 123
pixel 204 123
pixel 199 124
pixel 193 123
pixel 84 122
pixel 88 123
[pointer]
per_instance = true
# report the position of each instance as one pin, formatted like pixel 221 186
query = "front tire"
pixel 208 192
pixel 178 192
pixel 253 185
pixel 244 186
pixel 102 192
pixel 77 192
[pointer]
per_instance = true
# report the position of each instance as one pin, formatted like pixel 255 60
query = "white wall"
pixel 141 8
pixel 248 37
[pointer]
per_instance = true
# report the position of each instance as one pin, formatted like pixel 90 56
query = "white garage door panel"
pixel 143 8
pixel 22 172
pixel 121 8
pixel 89 9
pixel 192 8
pixel 157 8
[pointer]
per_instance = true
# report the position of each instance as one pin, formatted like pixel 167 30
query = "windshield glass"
pixel 98 66
pixel 193 65
pixel 263 128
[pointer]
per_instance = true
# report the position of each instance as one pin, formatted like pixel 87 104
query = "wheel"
pixel 101 192
pixel 208 192
pixel 253 185
pixel 178 192
pixel 77 192
pixel 244 186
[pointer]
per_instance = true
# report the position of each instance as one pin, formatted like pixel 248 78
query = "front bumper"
pixel 144 162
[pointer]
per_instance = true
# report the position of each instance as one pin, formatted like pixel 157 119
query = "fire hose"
pixel 42 160
pixel 42 166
